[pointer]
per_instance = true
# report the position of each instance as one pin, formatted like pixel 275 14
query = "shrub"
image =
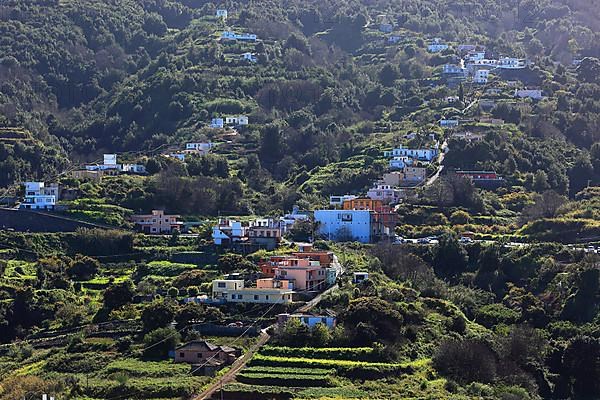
pixel 466 361
pixel 494 314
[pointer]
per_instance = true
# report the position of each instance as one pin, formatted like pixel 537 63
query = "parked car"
pixel 465 239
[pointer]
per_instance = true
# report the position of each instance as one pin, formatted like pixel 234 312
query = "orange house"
pixel 363 203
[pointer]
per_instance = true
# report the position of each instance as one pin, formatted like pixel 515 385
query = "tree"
pixel 388 74
pixel 83 268
pixel 465 361
pixel 450 257
pixel 158 314
pixel 188 314
pixel 154 25
pixel 540 181
pixel 580 174
pixel 589 70
pixel 581 365
pixel 374 315
pixel 460 217
pixel 160 341
pixel 234 262
pixel 301 231
pixel 545 206
pixel 117 295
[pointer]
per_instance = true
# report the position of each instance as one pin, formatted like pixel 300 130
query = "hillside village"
pixel 269 202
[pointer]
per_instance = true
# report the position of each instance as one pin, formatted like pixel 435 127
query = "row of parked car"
pixel 429 240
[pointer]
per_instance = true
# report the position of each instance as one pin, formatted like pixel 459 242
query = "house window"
pixel 199 355
pixel 267 297
pixel 324 320
pixel 255 297
pixel 233 296
pixel 221 284
pixel 181 355
pixel 240 296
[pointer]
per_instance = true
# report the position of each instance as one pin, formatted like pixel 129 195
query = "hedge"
pixel 326 353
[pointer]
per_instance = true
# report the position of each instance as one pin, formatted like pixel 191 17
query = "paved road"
pixel 264 337
pixel 440 161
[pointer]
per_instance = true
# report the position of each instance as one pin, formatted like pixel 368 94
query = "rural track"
pixel 264 337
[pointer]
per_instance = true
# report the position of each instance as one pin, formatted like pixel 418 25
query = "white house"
pixel 359 277
pixel 511 63
pixel 449 123
pixel 295 215
pixel 339 200
pixel 309 320
pixel 179 156
pixel 110 162
pixel 385 193
pixel 419 154
pixel 249 57
pixel 344 224
pixel 385 28
pixel 239 120
pixel 201 147
pixel 221 14
pixel 40 197
pixel 228 231
pixel 436 46
pixel 229 35
pixel 400 162
pixel 476 55
pixel 133 168
pixel 535 94
pixel 481 76
pixel 453 69
pixel 217 123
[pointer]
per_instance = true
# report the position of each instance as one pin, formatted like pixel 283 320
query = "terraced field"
pixel 314 373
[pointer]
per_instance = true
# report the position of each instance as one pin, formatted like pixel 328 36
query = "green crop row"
pixel 328 353
pixel 289 380
pixel 286 370
pixel 351 369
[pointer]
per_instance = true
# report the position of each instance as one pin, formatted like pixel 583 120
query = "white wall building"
pixel 385 193
pixel 249 57
pixel 400 162
pixel 38 196
pixel 229 35
pixel 228 231
pixel 337 224
pixel 237 120
pixel 436 46
pixel 535 94
pixel 481 76
pixel 217 123
pixel 449 123
pixel 199 146
pixel 339 200
pixel 419 154
pixel 221 14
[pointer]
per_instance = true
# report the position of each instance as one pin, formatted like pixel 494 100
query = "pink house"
pixel 305 274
